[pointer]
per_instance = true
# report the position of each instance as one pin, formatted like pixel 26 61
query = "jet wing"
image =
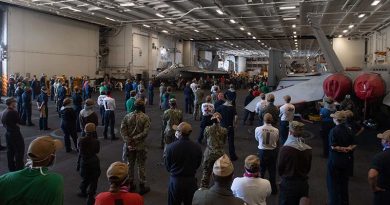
pixel 207 72
pixel 307 91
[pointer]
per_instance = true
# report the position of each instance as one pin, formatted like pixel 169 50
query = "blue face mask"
pixel 386 145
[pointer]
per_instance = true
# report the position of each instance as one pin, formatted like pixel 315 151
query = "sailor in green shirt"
pixel 103 87
pixel 35 185
pixel 130 102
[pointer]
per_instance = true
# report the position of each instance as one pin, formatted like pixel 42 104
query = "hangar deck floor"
pixel 158 177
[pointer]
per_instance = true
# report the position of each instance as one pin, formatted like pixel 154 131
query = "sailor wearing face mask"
pixel 294 166
pixel 216 139
pixel 15 142
pixel 35 184
pixel 183 158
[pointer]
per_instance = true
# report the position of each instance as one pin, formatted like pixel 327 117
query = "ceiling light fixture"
pixel 111 19
pixel 351 26
pixel 254 37
pixel 196 31
pixel 345 31
pixel 294 32
pixel 376 2
pixel 242 28
pixel 160 15
pixel 289 18
pixel 287 7
pixel 219 11
pixel 216 38
pixel 147 26
pixel 361 15
pixel 262 44
pixel 258 41
pixel 127 4
pixel 249 33
pixel 232 44
pixel 164 31
pixel 170 22
pixel 295 36
pixel 294 26
pixel 191 39
pixel 340 36
pixel 94 8
pixel 232 21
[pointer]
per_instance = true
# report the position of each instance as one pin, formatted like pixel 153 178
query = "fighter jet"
pixel 310 88
pixel 188 72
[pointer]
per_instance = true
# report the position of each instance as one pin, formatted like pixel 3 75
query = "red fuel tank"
pixel 337 86
pixel 369 86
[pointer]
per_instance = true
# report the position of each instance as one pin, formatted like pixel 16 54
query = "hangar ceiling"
pixel 249 25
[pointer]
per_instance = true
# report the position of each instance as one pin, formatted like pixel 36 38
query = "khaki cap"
pixel 348 113
pixel 42 147
pixel 296 126
pixel 216 115
pixel 339 115
pixel 183 127
pixel 118 169
pixel 139 102
pixel 89 102
pixel 270 98
pixel 385 135
pixel 252 163
pixel 90 127
pixel 223 166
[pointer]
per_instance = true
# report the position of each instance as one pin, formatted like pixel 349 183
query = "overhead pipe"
pixel 345 16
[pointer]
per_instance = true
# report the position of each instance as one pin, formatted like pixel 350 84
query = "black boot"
pixel 143 189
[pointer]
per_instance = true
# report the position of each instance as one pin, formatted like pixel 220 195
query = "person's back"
pixel 216 196
pixel 123 198
pixel 252 190
pixel 31 187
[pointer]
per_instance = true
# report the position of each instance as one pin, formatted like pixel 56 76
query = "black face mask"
pixel 215 121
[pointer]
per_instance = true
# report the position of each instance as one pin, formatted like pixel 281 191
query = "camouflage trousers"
pixel 139 157
pixel 197 110
pixel 208 164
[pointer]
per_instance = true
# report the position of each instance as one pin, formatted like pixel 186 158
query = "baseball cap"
pixel 42 147
pixel 10 100
pixel 223 166
pixel 385 135
pixel 252 163
pixel 139 102
pixel 216 115
pixel 90 127
pixel 89 102
pixel 296 126
pixel 172 101
pixel 118 169
pixel 183 127
pixel 339 115
pixel 348 113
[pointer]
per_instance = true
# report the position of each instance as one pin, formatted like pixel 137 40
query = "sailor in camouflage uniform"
pixel 172 116
pixel 199 94
pixel 134 130
pixel 216 138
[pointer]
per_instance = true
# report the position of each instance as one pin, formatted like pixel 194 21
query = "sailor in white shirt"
pixel 100 102
pixel 109 115
pixel 193 85
pixel 268 137
pixel 207 112
pixel 259 106
pixel 286 115
pixel 215 88
pixel 251 188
